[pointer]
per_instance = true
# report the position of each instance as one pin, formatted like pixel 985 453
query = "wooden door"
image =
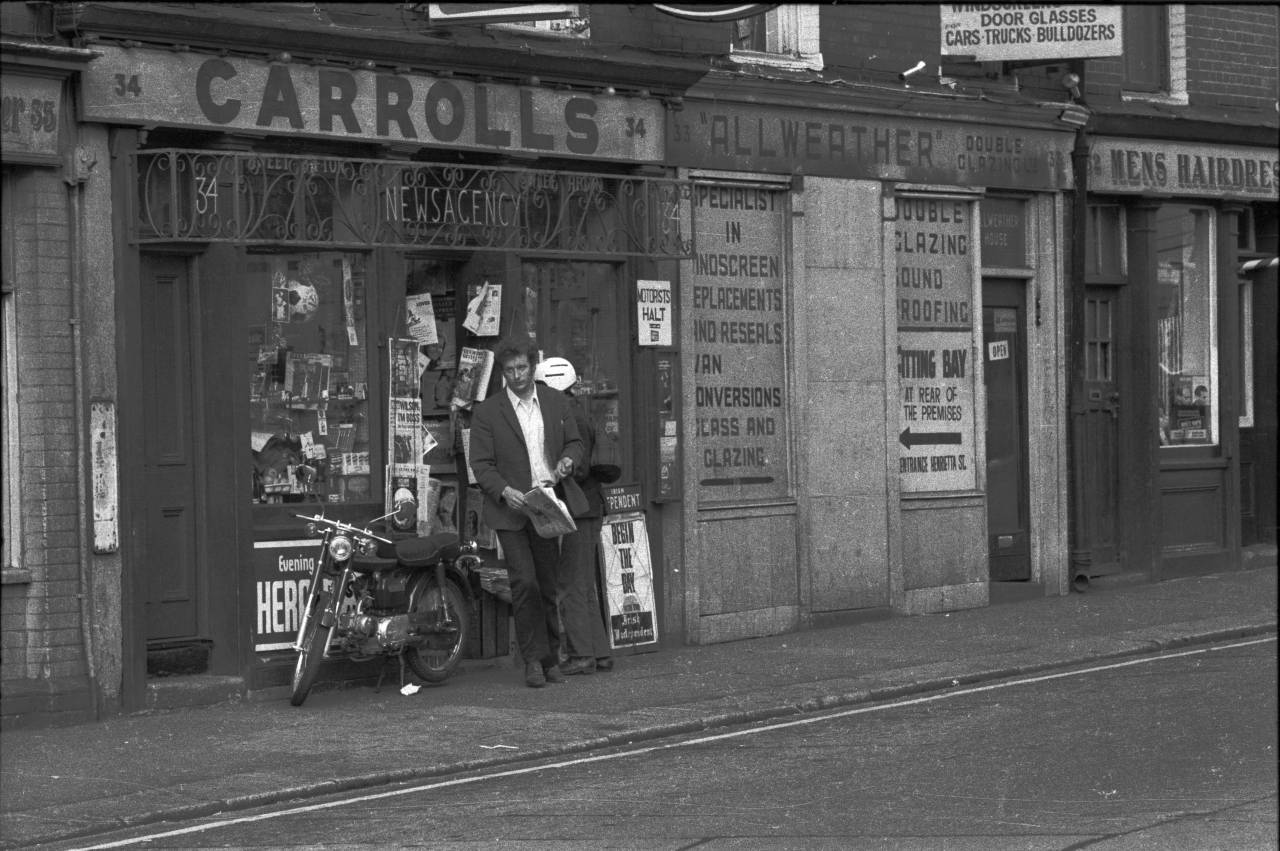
pixel 1005 378
pixel 1098 445
pixel 169 506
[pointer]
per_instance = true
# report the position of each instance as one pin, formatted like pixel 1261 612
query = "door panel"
pixel 172 603
pixel 1099 472
pixel 1005 376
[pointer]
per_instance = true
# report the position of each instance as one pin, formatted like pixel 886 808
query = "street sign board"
pixel 1011 32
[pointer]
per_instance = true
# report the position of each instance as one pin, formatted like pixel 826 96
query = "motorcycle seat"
pixel 368 564
pixel 424 552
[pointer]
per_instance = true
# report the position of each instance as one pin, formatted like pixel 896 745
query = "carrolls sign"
pixel 140 86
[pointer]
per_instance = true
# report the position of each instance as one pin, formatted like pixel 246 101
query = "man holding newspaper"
pixel 522 440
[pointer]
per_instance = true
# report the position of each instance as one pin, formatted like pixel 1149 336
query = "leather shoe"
pixel 533 676
pixel 553 674
pixel 604 663
pixel 579 665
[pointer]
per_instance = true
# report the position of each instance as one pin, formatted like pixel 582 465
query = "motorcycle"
pixel 377 597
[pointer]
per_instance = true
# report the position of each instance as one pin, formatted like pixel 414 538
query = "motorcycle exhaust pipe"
pixel 1080 582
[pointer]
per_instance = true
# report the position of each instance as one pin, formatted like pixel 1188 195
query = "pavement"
pixel 76 782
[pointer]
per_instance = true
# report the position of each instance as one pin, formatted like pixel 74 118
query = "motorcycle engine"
pixel 393 631
pixel 391 589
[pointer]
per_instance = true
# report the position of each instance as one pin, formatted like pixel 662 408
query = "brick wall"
pixel 880 41
pixel 1230 59
pixel 41 651
pixel 641 26
pixel 1231 55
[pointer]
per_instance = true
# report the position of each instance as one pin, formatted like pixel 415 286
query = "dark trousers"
pixel 531 568
pixel 579 599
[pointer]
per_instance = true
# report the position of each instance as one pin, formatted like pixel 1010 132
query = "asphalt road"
pixel 1170 752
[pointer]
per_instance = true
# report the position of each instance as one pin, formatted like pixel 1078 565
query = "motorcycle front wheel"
pixel 440 652
pixel 312 653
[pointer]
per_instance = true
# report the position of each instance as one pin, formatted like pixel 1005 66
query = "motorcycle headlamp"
pixel 340 548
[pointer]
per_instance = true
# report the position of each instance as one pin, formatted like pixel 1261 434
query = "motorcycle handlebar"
pixel 342 527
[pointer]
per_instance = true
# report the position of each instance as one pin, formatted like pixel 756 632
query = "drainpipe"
pixel 1080 559
pixel 76 175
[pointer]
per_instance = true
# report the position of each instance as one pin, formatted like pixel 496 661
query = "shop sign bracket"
pixel 255 198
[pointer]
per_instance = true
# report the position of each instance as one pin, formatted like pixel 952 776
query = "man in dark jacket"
pixel 587 643
pixel 521 437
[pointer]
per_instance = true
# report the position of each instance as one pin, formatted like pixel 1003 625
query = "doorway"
pixel 171 562
pixel 1098 444
pixel 1005 377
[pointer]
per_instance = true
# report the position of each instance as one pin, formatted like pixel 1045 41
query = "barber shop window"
pixel 1187 343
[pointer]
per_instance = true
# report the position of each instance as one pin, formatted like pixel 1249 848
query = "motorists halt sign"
pixel 1008 32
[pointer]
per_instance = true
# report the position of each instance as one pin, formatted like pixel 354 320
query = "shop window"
pixel 785 36
pixel 1155 52
pixel 309 389
pixel 1105 247
pixel 1187 343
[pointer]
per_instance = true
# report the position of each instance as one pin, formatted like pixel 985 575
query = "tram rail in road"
pixel 613 752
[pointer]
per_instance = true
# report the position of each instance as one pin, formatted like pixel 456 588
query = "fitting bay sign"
pixel 140 86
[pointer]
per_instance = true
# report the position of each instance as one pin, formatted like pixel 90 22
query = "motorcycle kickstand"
pixel 382 674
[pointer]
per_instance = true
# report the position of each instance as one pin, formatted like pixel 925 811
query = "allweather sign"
pixel 995 33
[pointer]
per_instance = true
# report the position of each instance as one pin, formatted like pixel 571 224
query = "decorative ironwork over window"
pixel 255 198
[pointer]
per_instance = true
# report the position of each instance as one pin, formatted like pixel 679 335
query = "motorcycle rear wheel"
pixel 440 653
pixel 311 654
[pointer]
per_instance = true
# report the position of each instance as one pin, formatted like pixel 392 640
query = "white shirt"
pixel 529 413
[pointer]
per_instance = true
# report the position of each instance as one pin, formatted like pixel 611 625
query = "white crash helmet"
pixel 556 373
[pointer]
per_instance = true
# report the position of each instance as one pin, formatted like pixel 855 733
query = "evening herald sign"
pixel 736 293
pixel 233 93
pixel 1004 33
pixel 781 140
pixel 1182 168
pixel 933 243
pixel 281 577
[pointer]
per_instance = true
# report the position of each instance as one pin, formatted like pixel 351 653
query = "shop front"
pixel 1170 336
pixel 872 339
pixel 322 276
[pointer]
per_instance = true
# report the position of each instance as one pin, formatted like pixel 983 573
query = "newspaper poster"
pixel 628 567
pixel 420 319
pixel 472 383
pixel 404 372
pixel 484 310
pixel 404 430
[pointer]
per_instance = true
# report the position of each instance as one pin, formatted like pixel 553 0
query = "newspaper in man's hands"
pixel 550 516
